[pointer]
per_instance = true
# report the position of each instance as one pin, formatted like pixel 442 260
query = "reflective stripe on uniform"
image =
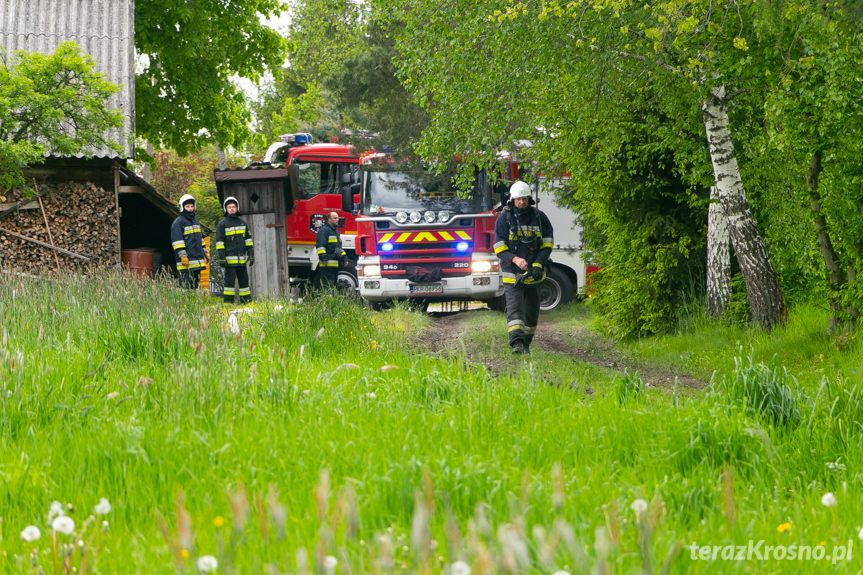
pixel 332 239
pixel 529 330
pixel 191 230
pixel 321 251
pixel 329 264
pixel 237 259
pixel 235 230
pixel 245 291
pixel 220 245
pixel 178 244
pixel 229 290
pixel 249 242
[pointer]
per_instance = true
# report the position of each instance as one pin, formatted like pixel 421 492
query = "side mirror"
pixel 348 198
pixel 294 179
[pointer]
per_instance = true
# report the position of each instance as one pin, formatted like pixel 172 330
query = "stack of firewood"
pixel 69 225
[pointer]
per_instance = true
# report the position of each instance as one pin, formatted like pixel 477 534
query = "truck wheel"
pixel 555 291
pixel 347 282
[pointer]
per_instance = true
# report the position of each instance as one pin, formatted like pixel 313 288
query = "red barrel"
pixel 139 262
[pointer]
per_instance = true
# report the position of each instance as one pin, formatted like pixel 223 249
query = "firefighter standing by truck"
pixel 235 249
pixel 523 240
pixel 328 245
pixel 188 243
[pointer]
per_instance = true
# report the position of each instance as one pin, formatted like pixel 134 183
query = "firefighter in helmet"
pixel 523 239
pixel 234 249
pixel 188 243
pixel 328 245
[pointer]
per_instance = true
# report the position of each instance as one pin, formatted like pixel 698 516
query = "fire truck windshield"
pixel 396 187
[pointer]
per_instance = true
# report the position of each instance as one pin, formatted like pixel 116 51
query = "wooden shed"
pixel 91 208
pixel 265 199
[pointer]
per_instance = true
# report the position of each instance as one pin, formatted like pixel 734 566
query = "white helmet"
pixel 519 190
pixel 228 200
pixel 184 199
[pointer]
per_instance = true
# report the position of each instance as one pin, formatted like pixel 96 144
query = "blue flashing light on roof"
pixel 462 246
pixel 300 139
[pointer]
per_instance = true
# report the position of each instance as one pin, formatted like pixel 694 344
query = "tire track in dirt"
pixel 445 337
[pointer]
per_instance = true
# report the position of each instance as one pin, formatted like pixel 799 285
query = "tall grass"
pixel 317 431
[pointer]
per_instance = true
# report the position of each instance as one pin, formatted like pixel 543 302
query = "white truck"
pixel 567 276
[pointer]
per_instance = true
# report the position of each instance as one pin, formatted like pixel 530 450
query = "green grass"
pixel 288 444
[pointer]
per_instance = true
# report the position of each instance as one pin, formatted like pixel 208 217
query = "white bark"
pixel 718 258
pixel 762 285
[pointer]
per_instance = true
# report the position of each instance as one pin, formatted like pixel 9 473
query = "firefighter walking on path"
pixel 188 243
pixel 523 239
pixel 235 249
pixel 328 244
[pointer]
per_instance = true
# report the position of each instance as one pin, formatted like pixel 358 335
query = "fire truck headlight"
pixel 430 217
pixel 416 217
pixel 371 270
pixel 387 247
pixel 481 266
pixel 401 217
pixel 462 246
pixel 443 216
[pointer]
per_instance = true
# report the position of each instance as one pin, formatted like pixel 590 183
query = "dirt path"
pixel 445 336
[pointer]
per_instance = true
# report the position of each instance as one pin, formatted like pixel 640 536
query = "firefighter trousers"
pixel 233 276
pixel 522 312
pixel 328 276
pixel 189 278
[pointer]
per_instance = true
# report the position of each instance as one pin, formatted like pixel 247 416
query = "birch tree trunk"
pixel 221 159
pixel 762 285
pixel 718 258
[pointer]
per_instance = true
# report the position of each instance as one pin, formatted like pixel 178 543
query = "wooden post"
pixel 116 166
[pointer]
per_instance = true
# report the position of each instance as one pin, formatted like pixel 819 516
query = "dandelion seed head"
pixel 207 563
pixel 64 525
pixel 56 510
pixel 103 507
pixel 459 568
pixel 31 533
pixel 828 500
pixel 639 506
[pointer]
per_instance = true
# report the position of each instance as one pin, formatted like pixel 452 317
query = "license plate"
pixel 427 288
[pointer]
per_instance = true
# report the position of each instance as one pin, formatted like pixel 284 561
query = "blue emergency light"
pixel 296 139
pixel 462 246
pixel 387 247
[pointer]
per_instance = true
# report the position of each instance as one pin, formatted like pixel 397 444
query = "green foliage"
pixel 139 392
pixel 762 389
pixel 628 387
pixel 342 82
pixel 51 103
pixel 185 94
pixel 175 175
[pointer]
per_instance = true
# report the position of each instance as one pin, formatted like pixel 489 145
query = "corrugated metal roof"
pixel 105 29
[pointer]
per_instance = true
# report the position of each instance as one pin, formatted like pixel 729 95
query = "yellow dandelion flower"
pixel 184 553
pixel 822 544
pixel 219 521
pixel 783 527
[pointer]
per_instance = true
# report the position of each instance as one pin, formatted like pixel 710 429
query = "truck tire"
pixel 347 281
pixel 555 291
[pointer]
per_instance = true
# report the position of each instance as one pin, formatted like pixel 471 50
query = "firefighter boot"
pixel 518 348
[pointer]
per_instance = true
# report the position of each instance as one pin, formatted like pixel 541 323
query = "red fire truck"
pixel 418 238
pixel 324 173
